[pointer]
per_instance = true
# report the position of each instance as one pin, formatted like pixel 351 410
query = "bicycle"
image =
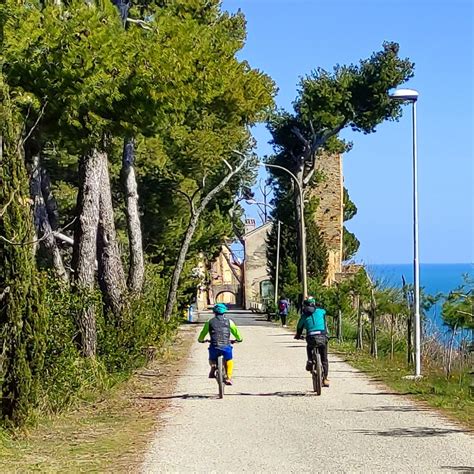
pixel 316 369
pixel 220 372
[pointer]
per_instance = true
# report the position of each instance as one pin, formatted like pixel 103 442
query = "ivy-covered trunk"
pixel 111 275
pixel 85 246
pixel 137 267
pixel 22 315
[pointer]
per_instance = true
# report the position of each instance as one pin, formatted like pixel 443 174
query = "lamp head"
pixel 405 94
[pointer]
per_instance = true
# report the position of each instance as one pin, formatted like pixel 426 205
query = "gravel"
pixel 270 420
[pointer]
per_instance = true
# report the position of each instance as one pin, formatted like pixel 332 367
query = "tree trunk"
pixel 193 222
pixel 339 326
pixel 137 267
pixel 43 226
pixel 392 342
pixel 359 341
pixel 85 245
pixel 373 327
pixel 450 351
pixel 410 306
pixel 111 274
pixel 49 200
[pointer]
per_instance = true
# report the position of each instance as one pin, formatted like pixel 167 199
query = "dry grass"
pixel 107 435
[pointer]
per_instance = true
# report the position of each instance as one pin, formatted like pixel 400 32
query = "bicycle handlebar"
pixel 232 342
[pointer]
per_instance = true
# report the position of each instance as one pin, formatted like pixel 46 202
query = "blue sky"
pixel 289 38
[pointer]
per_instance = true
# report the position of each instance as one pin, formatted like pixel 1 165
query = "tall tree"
pixel 354 96
pixel 22 315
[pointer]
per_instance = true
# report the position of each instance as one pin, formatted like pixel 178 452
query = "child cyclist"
pixel 220 328
pixel 313 321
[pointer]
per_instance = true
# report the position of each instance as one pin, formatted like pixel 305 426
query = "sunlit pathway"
pixel 270 421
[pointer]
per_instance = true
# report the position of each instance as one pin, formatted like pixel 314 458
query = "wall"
pixel 329 214
pixel 255 263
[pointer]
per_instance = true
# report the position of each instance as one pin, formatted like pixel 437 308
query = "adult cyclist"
pixel 220 327
pixel 313 321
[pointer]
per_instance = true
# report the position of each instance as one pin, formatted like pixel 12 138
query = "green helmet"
pixel 220 308
pixel 310 301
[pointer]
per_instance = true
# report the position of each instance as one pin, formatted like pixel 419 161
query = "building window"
pixel 266 289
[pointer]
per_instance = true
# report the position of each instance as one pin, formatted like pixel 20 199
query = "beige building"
pixel 257 285
pixel 226 277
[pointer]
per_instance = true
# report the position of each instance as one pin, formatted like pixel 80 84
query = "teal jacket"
pixel 312 319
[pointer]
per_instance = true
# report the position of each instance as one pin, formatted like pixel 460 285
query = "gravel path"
pixel 270 421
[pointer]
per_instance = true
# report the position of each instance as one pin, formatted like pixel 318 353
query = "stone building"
pixel 330 210
pixel 258 287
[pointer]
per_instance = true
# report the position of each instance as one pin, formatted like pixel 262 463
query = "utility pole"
pixel 277 269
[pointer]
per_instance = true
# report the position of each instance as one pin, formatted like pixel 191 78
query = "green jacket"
pixel 312 321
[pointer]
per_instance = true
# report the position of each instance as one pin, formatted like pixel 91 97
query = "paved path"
pixel 270 421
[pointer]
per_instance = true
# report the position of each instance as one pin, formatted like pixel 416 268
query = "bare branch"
pixel 227 163
pixel 41 113
pixel 141 23
pixel 188 198
pixel 231 265
pixel 8 203
pixel 4 293
pixel 35 241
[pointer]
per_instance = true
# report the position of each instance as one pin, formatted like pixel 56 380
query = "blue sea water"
pixel 434 278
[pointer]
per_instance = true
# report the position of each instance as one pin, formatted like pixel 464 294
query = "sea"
pixel 435 278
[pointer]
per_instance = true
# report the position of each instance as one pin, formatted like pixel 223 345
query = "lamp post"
pixel 410 95
pixel 304 275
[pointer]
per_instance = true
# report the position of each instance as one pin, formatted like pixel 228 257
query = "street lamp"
pixel 304 276
pixel 410 95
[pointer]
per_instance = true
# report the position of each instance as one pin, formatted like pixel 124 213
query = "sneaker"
pixel 285 326
pixel 325 383
pixel 309 366
pixel 228 382
pixel 212 373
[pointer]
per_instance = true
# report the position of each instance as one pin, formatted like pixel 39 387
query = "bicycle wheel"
pixel 220 375
pixel 317 372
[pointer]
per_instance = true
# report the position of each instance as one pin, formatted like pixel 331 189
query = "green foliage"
pixel 458 307
pixel 350 244
pixel 22 312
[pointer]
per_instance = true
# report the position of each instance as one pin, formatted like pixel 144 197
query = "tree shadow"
pixel 193 396
pixel 283 394
pixel 465 469
pixel 387 408
pixel 183 396
pixel 381 393
pixel 420 432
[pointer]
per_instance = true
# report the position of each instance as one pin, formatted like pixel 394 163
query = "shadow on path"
pixel 465 469
pixel 388 408
pixel 420 432
pixel 191 396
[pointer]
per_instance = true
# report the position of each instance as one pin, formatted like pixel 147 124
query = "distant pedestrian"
pixel 283 307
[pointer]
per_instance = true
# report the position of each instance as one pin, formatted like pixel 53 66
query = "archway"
pixel 227 297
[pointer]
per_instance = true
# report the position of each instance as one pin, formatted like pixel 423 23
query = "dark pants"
pixel 321 342
pixel 283 318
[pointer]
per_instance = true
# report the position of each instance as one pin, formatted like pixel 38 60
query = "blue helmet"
pixel 220 308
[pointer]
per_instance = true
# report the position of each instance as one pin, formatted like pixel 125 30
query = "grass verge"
pixel 451 397
pixel 110 434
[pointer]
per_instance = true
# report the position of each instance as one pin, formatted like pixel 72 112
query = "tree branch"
pixel 8 203
pixel 31 130
pixel 4 293
pixel 46 235
pixel 141 23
